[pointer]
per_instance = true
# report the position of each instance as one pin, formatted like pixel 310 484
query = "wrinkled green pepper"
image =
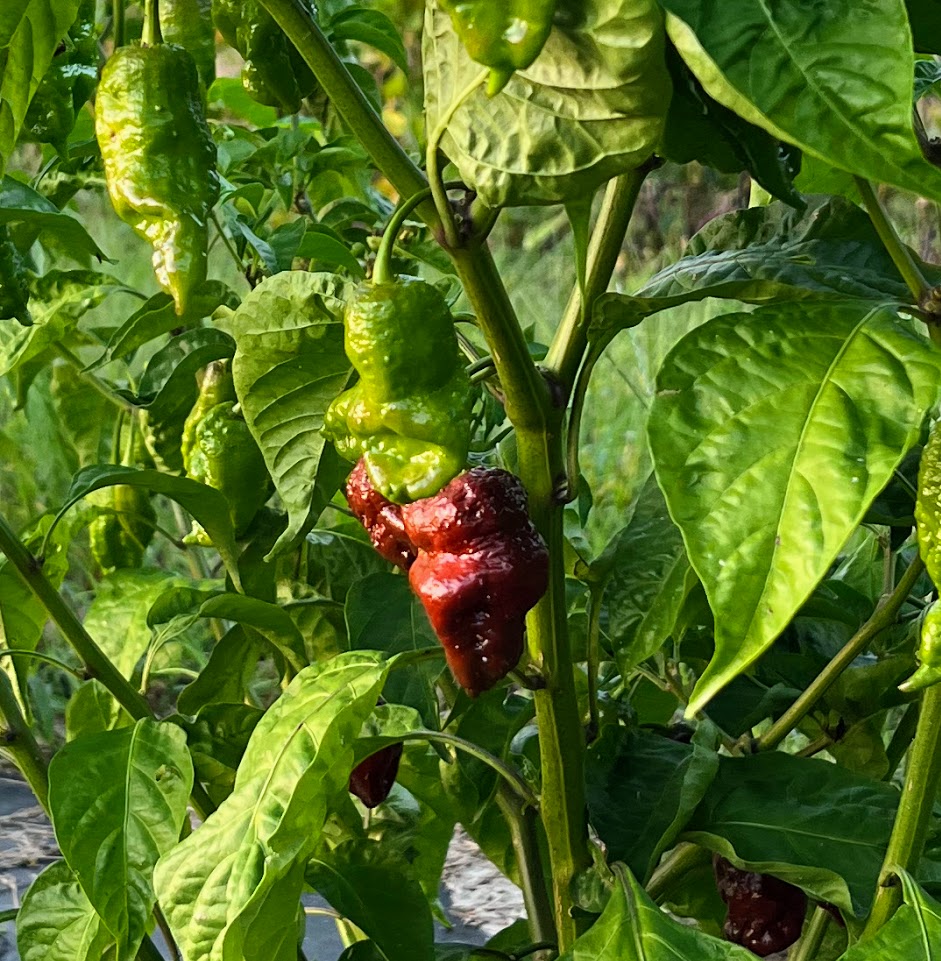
pixel 274 73
pixel 505 35
pixel 124 526
pixel 159 158
pixel 188 24
pixel 14 290
pixel 408 416
pixel 219 451
pixel 67 84
pixel 929 652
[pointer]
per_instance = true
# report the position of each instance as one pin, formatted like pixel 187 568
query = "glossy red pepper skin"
pixel 481 566
pixel 381 518
pixel 372 779
pixel 765 914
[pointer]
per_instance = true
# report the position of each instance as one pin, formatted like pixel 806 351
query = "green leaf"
pixel 372 27
pixel 238 877
pixel 228 673
pixel 92 709
pixel 206 504
pixel 647 578
pixel 749 410
pixel 806 821
pixel 642 789
pixel 118 801
pixel 590 107
pixel 927 78
pixel 217 739
pixel 383 614
pixel 790 70
pixel 19 203
pixel 289 365
pixel 59 300
pixel 230 94
pixel 323 246
pixel 339 558
pixel 698 128
pixel 633 928
pixel 29 33
pixel 269 620
pixel 158 316
pixel 912 934
pixel 56 921
pixel 374 889
pixel 771 253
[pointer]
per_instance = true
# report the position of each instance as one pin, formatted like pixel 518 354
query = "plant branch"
pixel 571 337
pixel 18 743
pixel 884 616
pixel 94 382
pixel 813 935
pixel 922 779
pixel 522 822
pixel 350 102
pixel 677 864
pixel 45 658
pixel 512 778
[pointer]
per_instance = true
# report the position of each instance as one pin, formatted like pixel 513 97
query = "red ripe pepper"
pixel 481 566
pixel 372 779
pixel 381 518
pixel 765 914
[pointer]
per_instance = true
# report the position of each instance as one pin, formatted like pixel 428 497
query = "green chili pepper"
pixel 408 417
pixel 505 35
pixel 219 451
pixel 188 24
pixel 159 158
pixel 274 72
pixel 14 290
pixel 120 533
pixel 929 652
pixel 67 84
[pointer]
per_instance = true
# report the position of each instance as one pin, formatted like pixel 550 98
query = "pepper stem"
pixel 382 270
pixel 151 33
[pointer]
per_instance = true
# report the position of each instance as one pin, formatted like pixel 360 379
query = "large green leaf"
pixel 383 614
pixel 206 504
pixel 226 677
pixel 835 79
pixel 647 578
pixel 19 203
pixel 771 433
pixel 372 887
pixel 236 880
pixel 912 934
pixel 29 33
pixel 642 789
pixel 803 820
pixel 289 365
pixel 633 928
pixel 770 253
pixel 118 801
pixel 56 921
pixel 591 106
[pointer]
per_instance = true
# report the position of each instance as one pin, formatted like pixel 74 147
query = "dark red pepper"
pixel 381 518
pixel 765 913
pixel 372 779
pixel 481 566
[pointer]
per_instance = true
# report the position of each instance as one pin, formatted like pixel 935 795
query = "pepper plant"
pixel 719 735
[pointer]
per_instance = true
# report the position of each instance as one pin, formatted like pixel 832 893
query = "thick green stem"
pixel 922 780
pixel 571 337
pixel 900 254
pixel 561 728
pixel 117 23
pixel 18 743
pixel 682 859
pixel 883 617
pixel 812 938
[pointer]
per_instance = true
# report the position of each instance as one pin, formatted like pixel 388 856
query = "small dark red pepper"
pixel 481 566
pixel 381 518
pixel 765 913
pixel 372 779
